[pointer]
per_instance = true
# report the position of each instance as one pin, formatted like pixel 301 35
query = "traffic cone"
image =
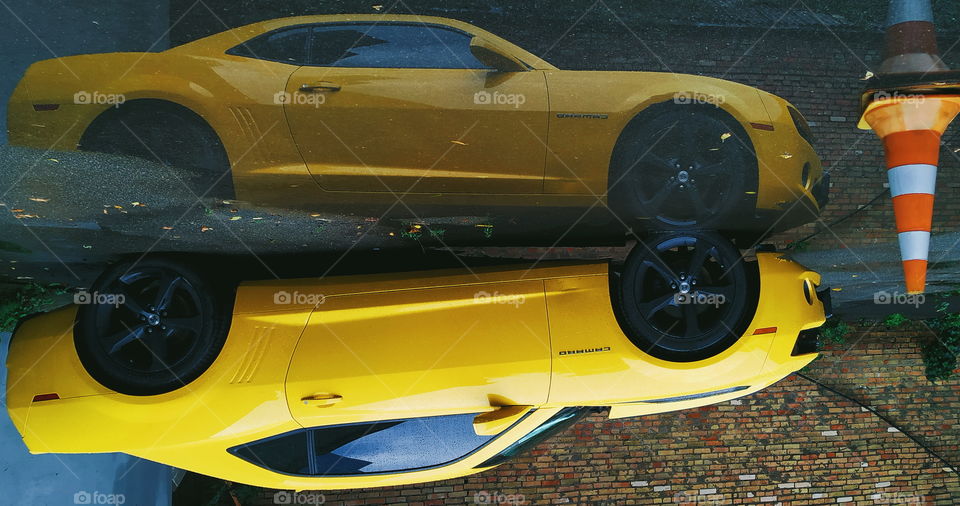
pixel 911 39
pixel 910 127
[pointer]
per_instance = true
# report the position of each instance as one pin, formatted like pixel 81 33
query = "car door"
pixel 441 349
pixel 405 107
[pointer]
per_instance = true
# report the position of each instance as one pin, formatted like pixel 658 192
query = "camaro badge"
pixel 585 350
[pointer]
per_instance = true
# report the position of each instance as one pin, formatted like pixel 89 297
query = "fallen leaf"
pixel 725 136
pixel 235 218
pixel 167 228
pixel 19 216
pixel 204 229
pixel 459 143
pixel 53 160
pixel 16 210
pixel 38 199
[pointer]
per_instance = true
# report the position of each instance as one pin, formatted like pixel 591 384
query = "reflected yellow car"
pixel 358 109
pixel 387 379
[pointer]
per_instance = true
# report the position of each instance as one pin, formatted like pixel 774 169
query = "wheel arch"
pixel 143 106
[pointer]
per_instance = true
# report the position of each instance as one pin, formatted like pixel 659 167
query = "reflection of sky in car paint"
pixel 392 46
pixel 409 444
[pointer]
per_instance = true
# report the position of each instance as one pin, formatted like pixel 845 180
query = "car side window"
pixel 391 46
pixel 286 453
pixel 286 46
pixel 367 448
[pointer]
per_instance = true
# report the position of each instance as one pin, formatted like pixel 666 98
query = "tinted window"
pixel 289 46
pixel 554 425
pixel 286 453
pixel 380 447
pixel 391 46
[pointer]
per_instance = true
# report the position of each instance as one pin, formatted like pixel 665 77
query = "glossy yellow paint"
pixel 421 131
pixel 387 346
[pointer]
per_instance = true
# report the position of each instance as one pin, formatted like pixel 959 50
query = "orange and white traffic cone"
pixel 911 126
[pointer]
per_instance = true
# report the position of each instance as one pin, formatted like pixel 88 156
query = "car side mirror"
pixel 492 56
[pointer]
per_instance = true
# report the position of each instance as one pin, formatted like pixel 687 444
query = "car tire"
pixel 151 326
pixel 683 167
pixel 166 133
pixel 683 296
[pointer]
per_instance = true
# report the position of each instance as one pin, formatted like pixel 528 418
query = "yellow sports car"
pixel 357 109
pixel 387 379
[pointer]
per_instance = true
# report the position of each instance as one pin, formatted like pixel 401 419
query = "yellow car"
pixel 387 379
pixel 358 109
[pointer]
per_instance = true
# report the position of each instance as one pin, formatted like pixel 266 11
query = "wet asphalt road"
pixel 63 215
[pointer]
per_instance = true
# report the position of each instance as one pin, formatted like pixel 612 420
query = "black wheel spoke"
pixel 192 323
pixel 657 163
pixel 131 304
pixel 123 338
pixel 165 294
pixel 697 200
pixel 690 318
pixel 661 195
pixel 156 343
pixel 649 309
pixel 726 291
pixel 712 169
pixel 701 252
pixel 661 269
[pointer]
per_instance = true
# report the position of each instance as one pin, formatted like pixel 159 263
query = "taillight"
pixel 803 128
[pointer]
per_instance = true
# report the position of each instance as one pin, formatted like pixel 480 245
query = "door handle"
pixel 321 400
pixel 319 86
